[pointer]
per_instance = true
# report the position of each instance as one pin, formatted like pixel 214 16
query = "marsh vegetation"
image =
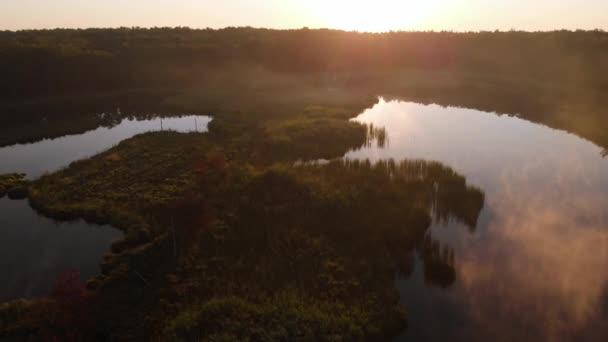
pixel 288 249
pixel 14 185
pixel 226 236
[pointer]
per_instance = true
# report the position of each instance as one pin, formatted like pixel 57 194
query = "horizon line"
pixel 511 30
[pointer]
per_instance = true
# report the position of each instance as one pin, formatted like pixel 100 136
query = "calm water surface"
pixel 34 250
pixel 536 267
pixel 53 154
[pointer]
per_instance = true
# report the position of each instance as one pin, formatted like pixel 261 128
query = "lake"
pixel 536 266
pixel 50 155
pixel 34 250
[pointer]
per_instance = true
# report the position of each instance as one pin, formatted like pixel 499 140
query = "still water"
pixel 34 250
pixel 536 266
pixel 52 154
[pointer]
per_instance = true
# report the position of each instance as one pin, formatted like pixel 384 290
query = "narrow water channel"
pixel 35 250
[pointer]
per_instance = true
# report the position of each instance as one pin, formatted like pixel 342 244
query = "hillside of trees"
pixel 53 62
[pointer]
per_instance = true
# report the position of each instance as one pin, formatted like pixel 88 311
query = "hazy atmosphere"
pixel 303 171
pixel 361 15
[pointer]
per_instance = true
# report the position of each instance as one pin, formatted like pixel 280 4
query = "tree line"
pixel 43 62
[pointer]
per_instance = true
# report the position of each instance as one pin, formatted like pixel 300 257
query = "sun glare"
pixel 371 16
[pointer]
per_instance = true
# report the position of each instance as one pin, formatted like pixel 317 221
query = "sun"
pixel 371 16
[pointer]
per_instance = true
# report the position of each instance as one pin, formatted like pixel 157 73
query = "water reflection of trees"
pixel 303 224
pixel 534 103
pixel 429 187
pixel 339 230
pixel 377 136
pixel 438 261
pixel 51 127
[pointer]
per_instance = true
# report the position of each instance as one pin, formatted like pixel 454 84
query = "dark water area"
pixel 536 265
pixel 35 250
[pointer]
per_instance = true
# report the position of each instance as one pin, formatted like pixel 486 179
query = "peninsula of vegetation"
pixel 227 235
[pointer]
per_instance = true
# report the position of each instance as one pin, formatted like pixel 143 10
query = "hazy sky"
pixel 371 15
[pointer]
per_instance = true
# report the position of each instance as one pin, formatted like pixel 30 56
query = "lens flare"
pixel 371 16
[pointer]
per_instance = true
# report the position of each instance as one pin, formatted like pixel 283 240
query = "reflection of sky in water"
pixel 34 250
pixel 51 155
pixel 537 267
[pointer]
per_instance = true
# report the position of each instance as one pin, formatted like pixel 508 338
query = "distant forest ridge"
pixel 47 62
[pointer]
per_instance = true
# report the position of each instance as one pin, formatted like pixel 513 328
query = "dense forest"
pixel 57 82
pixel 57 61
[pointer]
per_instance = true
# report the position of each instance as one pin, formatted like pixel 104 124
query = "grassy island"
pixel 222 247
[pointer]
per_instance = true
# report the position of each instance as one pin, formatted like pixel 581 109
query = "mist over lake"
pixel 357 183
